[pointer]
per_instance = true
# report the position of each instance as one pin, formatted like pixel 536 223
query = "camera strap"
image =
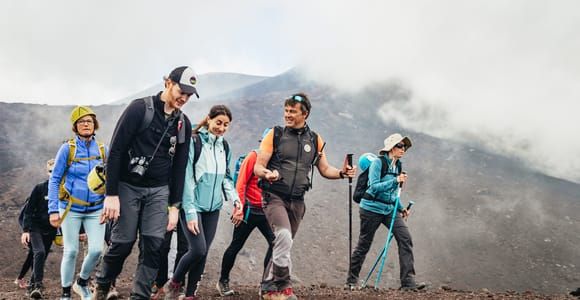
pixel 161 139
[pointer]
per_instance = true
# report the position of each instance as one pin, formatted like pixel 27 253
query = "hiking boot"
pixel 575 293
pixel 65 296
pixel 351 286
pixel 83 291
pixel 172 290
pixel 223 287
pixel 413 287
pixel 36 292
pixel 157 292
pixel 289 294
pixel 113 294
pixel 102 292
pixel 272 295
pixel 21 283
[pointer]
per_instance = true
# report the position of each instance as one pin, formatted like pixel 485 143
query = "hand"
pixel 82 237
pixel 111 209
pixel 272 175
pixel 54 220
pixel 237 216
pixel 173 217
pixel 402 178
pixel 25 239
pixel 405 214
pixel 192 226
pixel 348 170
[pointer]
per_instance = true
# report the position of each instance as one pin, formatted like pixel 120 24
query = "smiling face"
pixel 85 126
pixel 294 117
pixel 176 97
pixel 218 125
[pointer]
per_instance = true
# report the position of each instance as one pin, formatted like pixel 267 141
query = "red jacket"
pixel 247 184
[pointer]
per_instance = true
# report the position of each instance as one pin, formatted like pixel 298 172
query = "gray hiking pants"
pixel 369 223
pixel 284 218
pixel 143 211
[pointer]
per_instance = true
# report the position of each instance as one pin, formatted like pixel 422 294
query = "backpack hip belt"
pixel 73 200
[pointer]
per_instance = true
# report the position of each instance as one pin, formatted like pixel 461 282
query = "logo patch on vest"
pixel 307 148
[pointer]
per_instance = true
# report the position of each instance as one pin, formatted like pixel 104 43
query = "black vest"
pixel 294 151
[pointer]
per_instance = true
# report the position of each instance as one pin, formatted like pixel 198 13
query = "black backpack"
pixel 362 182
pixel 21 214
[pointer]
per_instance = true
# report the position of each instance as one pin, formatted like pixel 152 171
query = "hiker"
pixel 162 275
pixel 72 204
pixel 287 155
pixel 245 220
pixel 37 232
pixel 207 180
pixel 145 174
pixel 377 207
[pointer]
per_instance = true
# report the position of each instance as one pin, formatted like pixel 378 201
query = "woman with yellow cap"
pixel 72 203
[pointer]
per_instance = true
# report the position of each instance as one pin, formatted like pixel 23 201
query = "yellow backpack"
pixel 65 195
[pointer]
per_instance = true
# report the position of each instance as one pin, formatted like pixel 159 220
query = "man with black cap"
pixel 145 175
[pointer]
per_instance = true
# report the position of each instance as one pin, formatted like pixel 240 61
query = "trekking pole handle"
pixel 349 162
pixel 401 183
pixel 410 204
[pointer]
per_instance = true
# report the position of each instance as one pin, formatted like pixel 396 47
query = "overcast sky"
pixel 506 73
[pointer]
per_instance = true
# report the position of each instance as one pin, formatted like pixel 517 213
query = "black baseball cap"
pixel 186 78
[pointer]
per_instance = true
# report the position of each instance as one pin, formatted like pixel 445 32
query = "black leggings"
pixel 241 234
pixel 194 260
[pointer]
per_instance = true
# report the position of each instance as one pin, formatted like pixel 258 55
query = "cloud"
pixel 503 73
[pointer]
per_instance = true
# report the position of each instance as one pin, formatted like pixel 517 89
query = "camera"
pixel 138 166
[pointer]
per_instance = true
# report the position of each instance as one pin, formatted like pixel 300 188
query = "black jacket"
pixel 163 170
pixel 36 212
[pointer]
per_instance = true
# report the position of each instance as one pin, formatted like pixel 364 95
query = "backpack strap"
pixel 180 129
pixel 227 150
pixel 384 166
pixel 102 152
pixel 278 131
pixel 196 152
pixel 149 113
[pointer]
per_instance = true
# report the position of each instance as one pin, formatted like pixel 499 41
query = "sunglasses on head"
pixel 401 146
pixel 301 100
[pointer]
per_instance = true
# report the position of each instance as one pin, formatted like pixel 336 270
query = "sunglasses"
pixel 401 146
pixel 301 100
pixel 172 141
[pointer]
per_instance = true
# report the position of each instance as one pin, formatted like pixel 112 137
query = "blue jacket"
pixel 76 177
pixel 206 195
pixel 385 189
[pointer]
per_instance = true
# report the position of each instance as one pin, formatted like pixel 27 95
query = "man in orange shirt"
pixel 287 155
pixel 245 220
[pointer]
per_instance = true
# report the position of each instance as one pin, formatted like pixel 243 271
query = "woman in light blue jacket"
pixel 207 182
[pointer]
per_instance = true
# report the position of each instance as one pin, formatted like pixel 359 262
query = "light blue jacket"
pixel 76 176
pixel 206 194
pixel 385 188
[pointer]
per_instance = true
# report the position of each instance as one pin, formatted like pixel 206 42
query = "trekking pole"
pixel 349 162
pixel 364 284
pixel 389 239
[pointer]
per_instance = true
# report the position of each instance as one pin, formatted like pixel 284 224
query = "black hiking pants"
pixel 40 244
pixel 369 223
pixel 241 234
pixel 162 274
